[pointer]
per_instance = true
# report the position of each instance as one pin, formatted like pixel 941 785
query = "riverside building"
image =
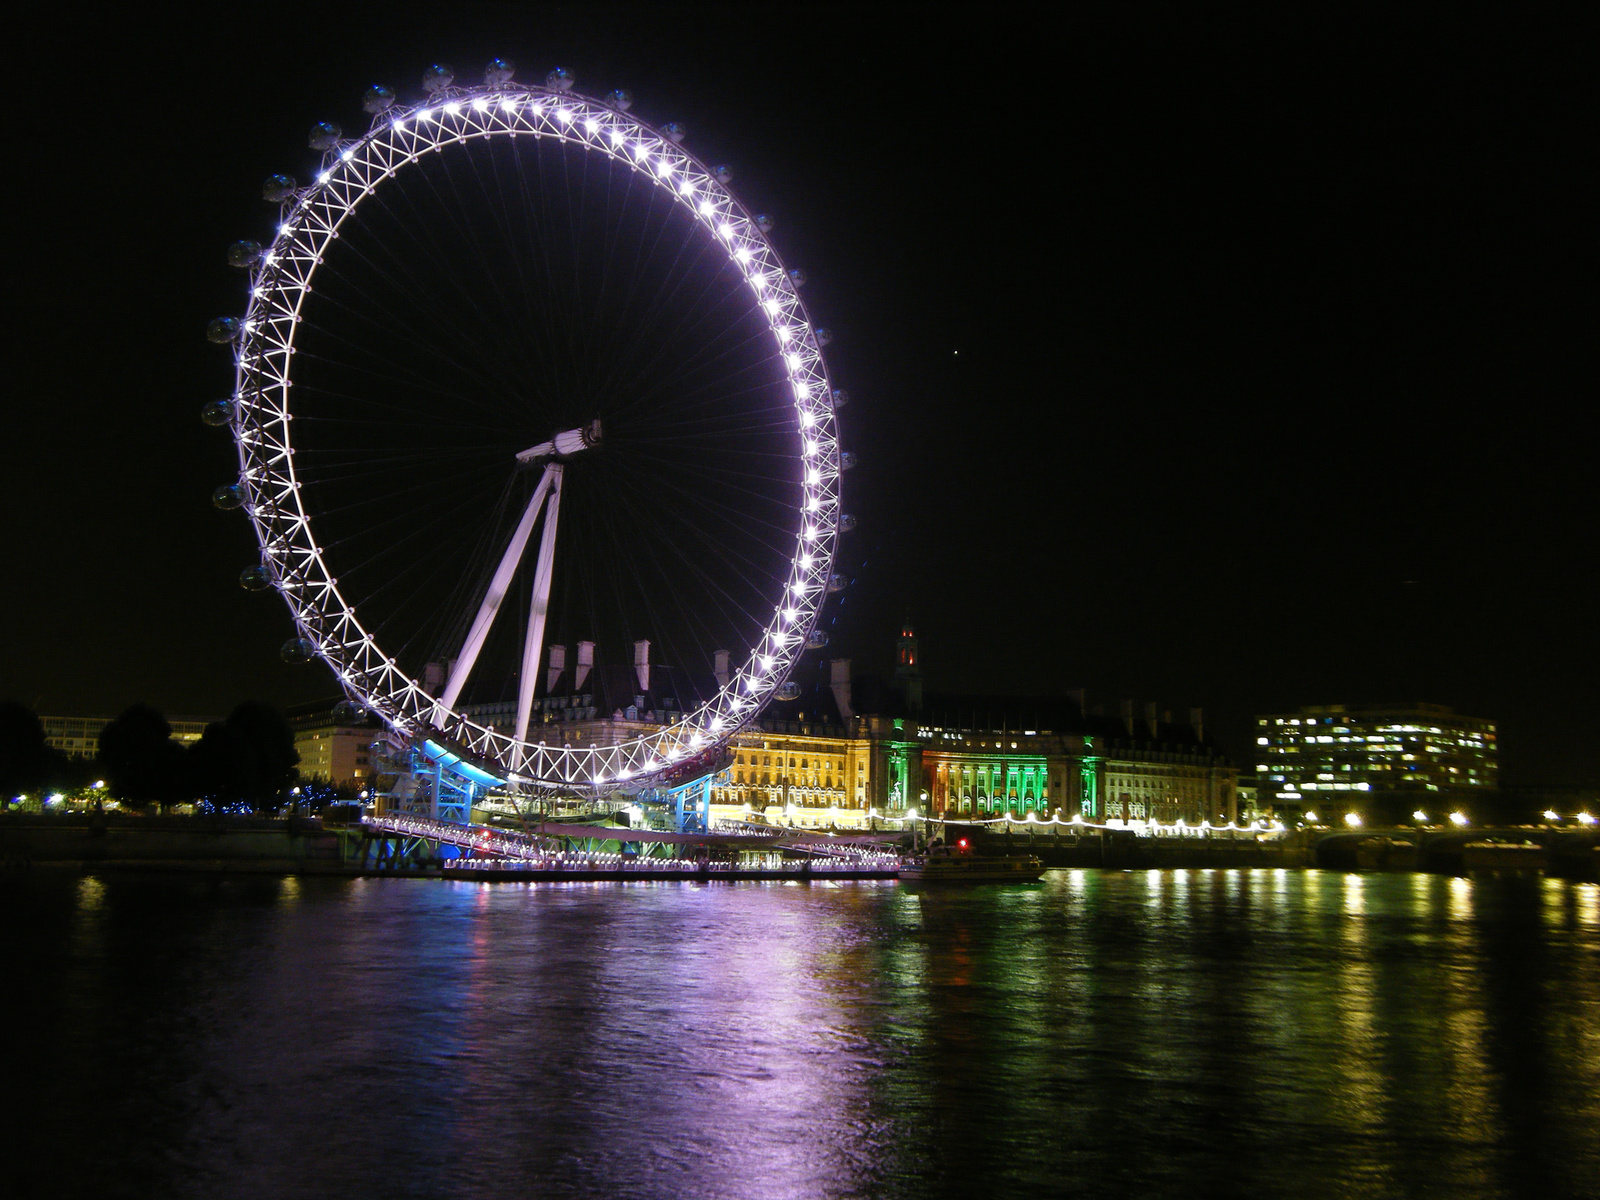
pixel 1336 758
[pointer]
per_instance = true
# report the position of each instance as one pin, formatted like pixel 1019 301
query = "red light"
pixel 962 843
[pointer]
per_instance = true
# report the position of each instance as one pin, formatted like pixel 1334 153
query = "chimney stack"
pixel 1197 718
pixel 1150 719
pixel 558 664
pixel 1127 716
pixel 641 664
pixel 585 664
pixel 720 668
pixel 839 682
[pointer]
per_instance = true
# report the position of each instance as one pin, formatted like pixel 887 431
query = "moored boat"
pixel 958 864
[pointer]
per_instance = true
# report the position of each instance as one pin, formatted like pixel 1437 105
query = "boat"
pixel 958 864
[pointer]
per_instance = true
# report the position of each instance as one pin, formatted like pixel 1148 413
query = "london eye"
pixel 519 369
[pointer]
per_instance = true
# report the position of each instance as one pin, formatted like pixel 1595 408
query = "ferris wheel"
pixel 518 368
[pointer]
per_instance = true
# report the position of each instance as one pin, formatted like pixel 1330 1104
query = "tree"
pixel 219 767
pixel 143 764
pixel 28 764
pixel 266 756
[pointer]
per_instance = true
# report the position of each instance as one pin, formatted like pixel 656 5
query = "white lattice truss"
pixel 328 620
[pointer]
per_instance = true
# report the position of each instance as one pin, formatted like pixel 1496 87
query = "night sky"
pixel 1237 361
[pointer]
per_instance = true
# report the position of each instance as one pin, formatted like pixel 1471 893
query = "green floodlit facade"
pixel 1340 754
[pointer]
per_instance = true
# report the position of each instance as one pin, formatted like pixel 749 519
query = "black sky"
pixel 1228 358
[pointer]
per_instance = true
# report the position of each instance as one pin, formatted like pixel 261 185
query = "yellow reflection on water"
pixel 91 894
pixel 1355 902
pixel 289 890
pixel 1460 899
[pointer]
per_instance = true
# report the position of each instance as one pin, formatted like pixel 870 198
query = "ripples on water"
pixel 1149 1034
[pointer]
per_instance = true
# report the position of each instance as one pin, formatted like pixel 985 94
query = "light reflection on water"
pixel 1101 1033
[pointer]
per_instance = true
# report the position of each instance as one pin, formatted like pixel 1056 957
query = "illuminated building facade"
pixel 1338 756
pixel 798 772
pixel 328 750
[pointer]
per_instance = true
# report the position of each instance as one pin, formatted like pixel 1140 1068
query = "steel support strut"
pixel 498 586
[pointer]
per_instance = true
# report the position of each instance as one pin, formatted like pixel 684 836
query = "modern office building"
pixel 1345 757
pixel 330 750
pixel 79 737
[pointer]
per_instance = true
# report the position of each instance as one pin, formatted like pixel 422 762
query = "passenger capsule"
pixel 218 414
pixel 377 99
pixel 764 222
pixel 559 80
pixel 824 336
pixel 621 99
pixel 841 398
pixel 297 650
pixel 244 255
pixel 723 173
pixel 223 330
pixel 675 131
pixel 837 583
pixel 228 496
pixel 847 522
pixel 817 640
pixel 437 77
pixel 788 690
pixel 847 460
pixel 348 712
pixel 798 278
pixel 498 73
pixel 324 136
pixel 278 188
pixel 255 579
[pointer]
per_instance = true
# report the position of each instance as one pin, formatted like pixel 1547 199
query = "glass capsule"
pixel 621 98
pixel 798 278
pixel 498 73
pixel 764 222
pixel 437 77
pixel 324 135
pixel 817 640
pixel 675 130
pixel 297 650
pixel 223 330
pixel 377 99
pixel 560 80
pixel 218 414
pixel 244 254
pixel 255 579
pixel 847 522
pixel 824 336
pixel 847 460
pixel 788 690
pixel 841 398
pixel 837 583
pixel 348 712
pixel 723 173
pixel 228 496
pixel 278 188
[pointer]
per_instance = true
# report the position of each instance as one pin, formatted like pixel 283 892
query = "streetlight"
pixel 1458 819
pixel 1353 820
pixel 1551 815
pixel 1585 818
pixel 1420 817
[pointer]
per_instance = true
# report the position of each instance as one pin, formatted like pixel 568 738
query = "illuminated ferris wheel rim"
pixel 327 621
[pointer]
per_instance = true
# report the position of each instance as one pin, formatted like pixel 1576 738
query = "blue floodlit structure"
pixel 455 781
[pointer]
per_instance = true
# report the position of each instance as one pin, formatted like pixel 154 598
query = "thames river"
pixel 1141 1034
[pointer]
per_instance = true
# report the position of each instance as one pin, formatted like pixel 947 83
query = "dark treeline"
pixel 246 763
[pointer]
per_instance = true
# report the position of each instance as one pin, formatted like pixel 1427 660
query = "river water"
pixel 1149 1034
